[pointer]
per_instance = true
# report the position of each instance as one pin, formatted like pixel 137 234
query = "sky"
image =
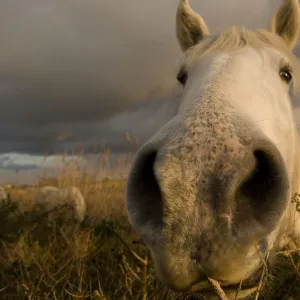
pixel 79 74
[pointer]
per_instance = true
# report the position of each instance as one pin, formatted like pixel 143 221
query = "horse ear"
pixel 286 22
pixel 190 27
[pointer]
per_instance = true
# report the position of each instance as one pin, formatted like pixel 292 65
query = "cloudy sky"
pixel 78 74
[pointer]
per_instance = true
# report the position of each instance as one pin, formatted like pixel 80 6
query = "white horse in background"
pixel 49 197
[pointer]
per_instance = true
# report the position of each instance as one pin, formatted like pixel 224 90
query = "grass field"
pixel 99 259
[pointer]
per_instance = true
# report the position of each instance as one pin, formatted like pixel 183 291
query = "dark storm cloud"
pixel 70 69
pixel 140 122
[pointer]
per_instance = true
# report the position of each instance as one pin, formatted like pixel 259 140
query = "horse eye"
pixel 182 76
pixel 285 75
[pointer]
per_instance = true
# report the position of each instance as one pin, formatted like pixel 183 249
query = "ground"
pixel 99 259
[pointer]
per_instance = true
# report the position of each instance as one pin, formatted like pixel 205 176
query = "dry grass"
pixel 99 259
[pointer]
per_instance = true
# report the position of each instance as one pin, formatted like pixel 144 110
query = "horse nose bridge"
pixel 193 160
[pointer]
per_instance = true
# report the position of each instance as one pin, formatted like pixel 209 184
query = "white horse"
pixel 49 197
pixel 211 192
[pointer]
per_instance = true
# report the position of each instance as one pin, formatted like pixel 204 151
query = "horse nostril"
pixel 143 195
pixel 261 180
pixel 264 190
